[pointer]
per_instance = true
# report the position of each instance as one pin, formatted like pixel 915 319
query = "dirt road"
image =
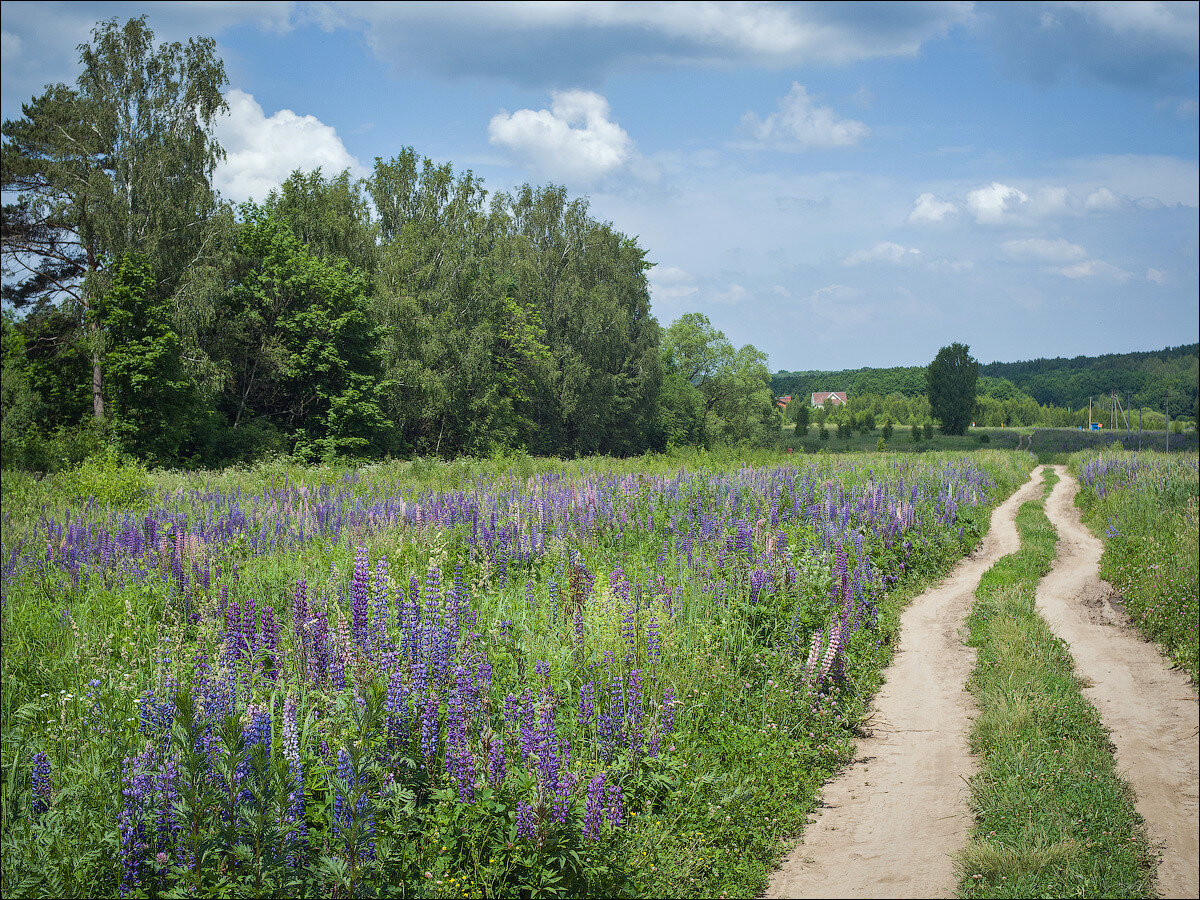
pixel 1150 709
pixel 893 819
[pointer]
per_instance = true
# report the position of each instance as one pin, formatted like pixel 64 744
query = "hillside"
pixel 1141 379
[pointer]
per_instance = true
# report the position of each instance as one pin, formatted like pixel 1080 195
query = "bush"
pixel 109 479
pixel 880 445
pixel 887 430
pixel 928 431
pixel 914 434
pixel 985 439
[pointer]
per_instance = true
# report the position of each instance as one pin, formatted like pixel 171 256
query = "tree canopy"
pixel 951 379
pixel 408 312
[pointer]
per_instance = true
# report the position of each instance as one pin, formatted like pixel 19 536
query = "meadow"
pixel 513 677
pixel 1144 507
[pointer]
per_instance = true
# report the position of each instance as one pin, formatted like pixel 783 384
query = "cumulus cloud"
pixel 575 139
pixel 261 150
pixel 929 209
pixel 1095 268
pixel 1044 250
pixel 884 251
pixel 801 124
pixel 671 284
pixel 989 205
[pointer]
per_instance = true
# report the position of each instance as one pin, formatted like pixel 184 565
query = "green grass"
pixel 710 817
pixel 1144 507
pixel 1052 817
pixel 1050 445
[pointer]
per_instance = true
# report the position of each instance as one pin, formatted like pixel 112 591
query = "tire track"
pixel 1151 710
pixel 893 820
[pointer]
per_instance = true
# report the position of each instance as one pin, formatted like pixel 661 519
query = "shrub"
pixel 887 430
pixel 109 479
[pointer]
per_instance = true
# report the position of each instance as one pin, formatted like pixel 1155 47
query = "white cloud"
pixel 261 151
pixel 929 208
pixel 990 204
pixel 801 124
pixel 1095 268
pixel 1044 249
pixel 1158 276
pixel 671 284
pixel 884 251
pixel 575 139
pixel 833 303
pixel 1101 200
pixel 733 294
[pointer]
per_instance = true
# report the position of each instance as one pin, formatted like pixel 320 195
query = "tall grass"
pixel 1144 506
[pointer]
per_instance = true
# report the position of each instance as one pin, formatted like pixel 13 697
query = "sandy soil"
pixel 892 820
pixel 1150 709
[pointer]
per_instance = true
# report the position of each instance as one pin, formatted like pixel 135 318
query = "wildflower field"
pixel 1144 507
pixel 460 680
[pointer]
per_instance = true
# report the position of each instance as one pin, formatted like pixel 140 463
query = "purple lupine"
pixel 300 604
pixel 634 710
pixel 344 816
pixel 359 596
pixel 429 730
pixel 39 782
pixel 653 641
pixel 167 790
pixel 594 807
pixel 137 788
pixel 525 825
pixel 410 619
pixel 667 713
pixel 379 622
pixel 614 805
pixel 294 812
pixel 270 641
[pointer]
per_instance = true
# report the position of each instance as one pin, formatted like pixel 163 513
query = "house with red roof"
pixel 838 398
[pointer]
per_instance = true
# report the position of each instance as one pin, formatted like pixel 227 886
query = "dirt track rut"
pixel 893 819
pixel 1150 709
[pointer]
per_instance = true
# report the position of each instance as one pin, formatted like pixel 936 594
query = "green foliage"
pixel 888 430
pixel 1045 392
pixel 152 410
pixel 950 380
pixel 301 349
pixel 108 479
pixel 733 384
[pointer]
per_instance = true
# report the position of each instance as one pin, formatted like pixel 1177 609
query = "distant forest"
pixel 1057 386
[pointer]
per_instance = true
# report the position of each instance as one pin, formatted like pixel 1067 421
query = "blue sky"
pixel 841 185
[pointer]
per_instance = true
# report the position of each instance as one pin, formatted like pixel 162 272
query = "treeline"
pixel 1049 393
pixel 1140 379
pixel 404 313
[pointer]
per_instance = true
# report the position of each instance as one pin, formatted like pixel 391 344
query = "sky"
pixel 839 184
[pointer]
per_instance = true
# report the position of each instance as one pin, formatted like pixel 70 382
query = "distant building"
pixel 782 402
pixel 838 398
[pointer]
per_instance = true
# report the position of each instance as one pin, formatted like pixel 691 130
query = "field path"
pixel 1151 710
pixel 895 817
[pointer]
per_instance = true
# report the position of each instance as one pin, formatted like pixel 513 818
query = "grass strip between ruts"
pixel 1052 816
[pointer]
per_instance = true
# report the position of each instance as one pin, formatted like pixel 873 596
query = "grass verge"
pixel 1052 816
